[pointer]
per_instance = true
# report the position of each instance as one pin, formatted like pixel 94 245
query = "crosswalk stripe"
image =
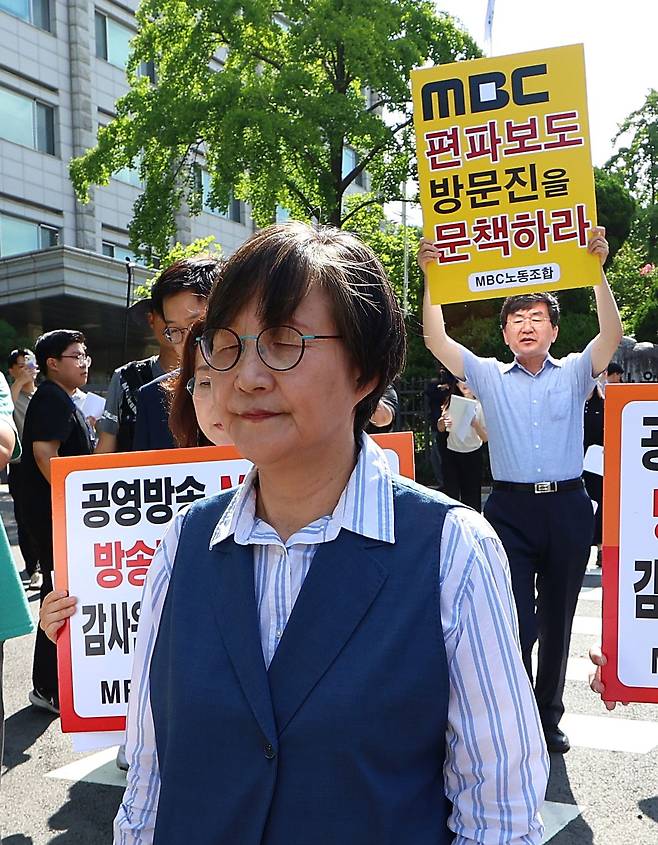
pixel 591 594
pixel 95 768
pixel 557 816
pixel 610 733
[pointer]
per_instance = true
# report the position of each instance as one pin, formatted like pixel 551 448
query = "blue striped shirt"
pixel 496 766
pixel 534 421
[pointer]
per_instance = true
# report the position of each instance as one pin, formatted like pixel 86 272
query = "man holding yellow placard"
pixel 538 507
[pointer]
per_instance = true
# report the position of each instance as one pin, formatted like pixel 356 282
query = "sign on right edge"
pixel 505 174
pixel 630 543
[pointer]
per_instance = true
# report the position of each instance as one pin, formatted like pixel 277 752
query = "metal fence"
pixel 413 416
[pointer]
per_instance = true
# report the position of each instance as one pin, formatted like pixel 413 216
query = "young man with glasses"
pixel 539 506
pixel 54 427
pixel 179 295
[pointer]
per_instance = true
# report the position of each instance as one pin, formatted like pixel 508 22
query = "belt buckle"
pixel 546 487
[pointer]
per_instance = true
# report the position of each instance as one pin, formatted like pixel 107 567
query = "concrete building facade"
pixel 62 263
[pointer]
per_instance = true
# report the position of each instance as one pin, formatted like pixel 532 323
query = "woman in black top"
pixel 593 435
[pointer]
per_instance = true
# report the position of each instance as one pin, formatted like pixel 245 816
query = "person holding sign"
pixel 538 506
pixel 463 420
pixel 323 645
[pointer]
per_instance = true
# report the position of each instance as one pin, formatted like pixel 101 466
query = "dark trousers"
pixel 547 538
pixel 462 477
pixel 44 667
pixel 26 543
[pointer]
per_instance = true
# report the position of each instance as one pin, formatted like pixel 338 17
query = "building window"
pixel 112 41
pixel 18 236
pixel 236 210
pixel 128 175
pixel 350 161
pixel 36 12
pixel 26 121
pixel 121 253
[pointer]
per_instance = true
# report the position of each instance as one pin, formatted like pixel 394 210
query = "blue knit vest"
pixel 342 741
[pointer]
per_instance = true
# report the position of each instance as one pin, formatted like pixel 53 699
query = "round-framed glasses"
pixel 279 347
pixel 82 360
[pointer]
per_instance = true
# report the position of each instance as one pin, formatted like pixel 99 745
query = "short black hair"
pixel 196 275
pixel 614 368
pixel 278 265
pixel 525 301
pixel 53 344
pixel 15 354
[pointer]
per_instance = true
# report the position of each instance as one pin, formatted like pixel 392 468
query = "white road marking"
pixel 557 816
pixel 591 594
pixel 610 733
pixel 96 768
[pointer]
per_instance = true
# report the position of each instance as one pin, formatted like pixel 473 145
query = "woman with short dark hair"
pixel 327 654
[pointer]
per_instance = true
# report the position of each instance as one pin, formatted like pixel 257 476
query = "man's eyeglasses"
pixel 81 359
pixel 535 320
pixel 175 335
pixel 279 347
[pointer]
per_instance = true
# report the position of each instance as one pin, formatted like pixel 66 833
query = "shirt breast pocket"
pixel 559 403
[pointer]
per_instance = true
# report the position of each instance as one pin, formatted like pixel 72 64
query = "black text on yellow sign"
pixel 505 173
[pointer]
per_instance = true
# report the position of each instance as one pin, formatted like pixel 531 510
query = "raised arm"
pixel 443 347
pixel 610 328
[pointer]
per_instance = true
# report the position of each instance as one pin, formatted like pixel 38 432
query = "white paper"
pixel 593 461
pixel 93 405
pixel 462 412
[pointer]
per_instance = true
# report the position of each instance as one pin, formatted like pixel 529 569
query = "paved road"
pixel 604 792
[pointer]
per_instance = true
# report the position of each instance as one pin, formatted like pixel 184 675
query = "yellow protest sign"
pixel 505 173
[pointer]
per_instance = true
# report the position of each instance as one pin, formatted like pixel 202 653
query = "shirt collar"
pixel 555 362
pixel 365 506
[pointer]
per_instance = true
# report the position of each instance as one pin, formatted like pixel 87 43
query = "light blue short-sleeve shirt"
pixel 534 421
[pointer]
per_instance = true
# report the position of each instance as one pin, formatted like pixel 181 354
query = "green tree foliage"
pixel 387 240
pixel 646 321
pixel 301 80
pixel 631 279
pixel 10 340
pixel 637 163
pixel 615 208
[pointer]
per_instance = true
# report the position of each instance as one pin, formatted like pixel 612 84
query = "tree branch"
pixel 305 202
pixel 262 57
pixel 365 161
pixel 358 208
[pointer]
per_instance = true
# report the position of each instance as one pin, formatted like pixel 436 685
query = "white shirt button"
pixel 536 445
pixel 279 634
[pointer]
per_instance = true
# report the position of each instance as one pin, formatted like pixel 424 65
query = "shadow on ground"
pixel 86 816
pixel 22 730
pixel 559 790
pixel 649 806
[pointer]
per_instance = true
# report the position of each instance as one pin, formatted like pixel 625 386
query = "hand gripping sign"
pixel 630 543
pixel 109 515
pixel 505 173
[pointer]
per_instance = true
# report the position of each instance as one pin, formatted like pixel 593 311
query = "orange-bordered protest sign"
pixel 630 543
pixel 109 514
pixel 505 174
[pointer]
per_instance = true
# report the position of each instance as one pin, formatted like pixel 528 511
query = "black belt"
pixel 540 486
